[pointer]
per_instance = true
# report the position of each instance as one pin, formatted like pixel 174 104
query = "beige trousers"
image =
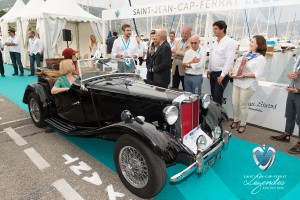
pixel 240 100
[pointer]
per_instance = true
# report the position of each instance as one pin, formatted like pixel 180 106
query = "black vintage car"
pixel 153 127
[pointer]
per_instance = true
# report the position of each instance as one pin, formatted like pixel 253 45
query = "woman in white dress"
pixel 246 72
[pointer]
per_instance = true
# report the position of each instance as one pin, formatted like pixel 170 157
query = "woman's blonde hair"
pixel 66 66
pixel 91 42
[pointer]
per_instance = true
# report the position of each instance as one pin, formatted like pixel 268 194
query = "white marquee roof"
pixel 32 7
pixel 12 14
pixel 64 9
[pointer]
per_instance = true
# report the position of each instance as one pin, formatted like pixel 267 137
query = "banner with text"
pixel 189 6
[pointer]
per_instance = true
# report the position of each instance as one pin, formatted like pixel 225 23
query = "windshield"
pixel 90 68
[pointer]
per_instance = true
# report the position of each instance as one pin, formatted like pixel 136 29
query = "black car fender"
pixel 41 93
pixel 214 115
pixel 159 141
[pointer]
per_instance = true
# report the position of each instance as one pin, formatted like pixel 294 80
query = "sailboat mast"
pixel 267 32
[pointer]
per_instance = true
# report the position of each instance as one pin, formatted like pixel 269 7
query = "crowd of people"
pixel 182 59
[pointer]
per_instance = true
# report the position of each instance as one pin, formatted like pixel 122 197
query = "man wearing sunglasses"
pixel 194 63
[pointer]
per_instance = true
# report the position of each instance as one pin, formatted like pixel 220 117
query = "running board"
pixel 60 125
pixel 70 129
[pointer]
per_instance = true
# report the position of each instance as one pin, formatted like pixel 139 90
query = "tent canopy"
pixel 63 9
pixel 11 15
pixel 32 7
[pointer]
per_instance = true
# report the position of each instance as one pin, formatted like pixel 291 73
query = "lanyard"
pixel 126 45
pixel 182 45
pixel 198 51
pixel 12 39
pixel 172 44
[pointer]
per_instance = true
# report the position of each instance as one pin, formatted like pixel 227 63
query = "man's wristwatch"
pixel 189 66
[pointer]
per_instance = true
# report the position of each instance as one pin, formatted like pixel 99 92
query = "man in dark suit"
pixel 162 60
pixel 110 42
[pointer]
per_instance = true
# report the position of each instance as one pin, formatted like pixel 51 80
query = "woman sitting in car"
pixel 67 77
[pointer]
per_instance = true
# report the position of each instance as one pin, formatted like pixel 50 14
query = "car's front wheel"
pixel 140 170
pixel 36 110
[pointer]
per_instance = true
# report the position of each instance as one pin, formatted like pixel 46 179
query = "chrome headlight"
pixel 217 133
pixel 201 142
pixel 170 114
pixel 205 101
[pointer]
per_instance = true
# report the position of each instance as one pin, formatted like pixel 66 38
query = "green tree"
pixel 2 12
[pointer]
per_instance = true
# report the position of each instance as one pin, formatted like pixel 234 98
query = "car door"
pixel 69 106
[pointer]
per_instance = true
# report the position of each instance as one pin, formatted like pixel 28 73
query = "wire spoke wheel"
pixel 134 167
pixel 139 168
pixel 34 110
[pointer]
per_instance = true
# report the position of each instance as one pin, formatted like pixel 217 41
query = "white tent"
pixel 55 15
pixel 31 7
pixel 9 18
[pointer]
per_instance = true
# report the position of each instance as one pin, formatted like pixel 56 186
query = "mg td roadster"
pixel 153 127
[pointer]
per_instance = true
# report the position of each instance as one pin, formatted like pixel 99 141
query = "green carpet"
pixel 226 180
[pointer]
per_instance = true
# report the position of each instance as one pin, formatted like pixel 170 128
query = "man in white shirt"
pixel 125 46
pixel 194 62
pixel 13 42
pixel 35 48
pixel 221 58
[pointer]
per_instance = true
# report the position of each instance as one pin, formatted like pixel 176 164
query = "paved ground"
pixel 39 165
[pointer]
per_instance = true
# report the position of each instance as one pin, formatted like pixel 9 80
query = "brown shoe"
pixel 295 149
pixel 234 125
pixel 282 138
pixel 241 129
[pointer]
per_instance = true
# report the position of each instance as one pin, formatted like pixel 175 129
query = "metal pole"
pixel 247 24
pixel 134 20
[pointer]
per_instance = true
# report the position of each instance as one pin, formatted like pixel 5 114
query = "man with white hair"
pixel 194 63
pixel 162 60
pixel 178 50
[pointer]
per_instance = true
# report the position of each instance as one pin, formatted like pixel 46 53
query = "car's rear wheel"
pixel 36 110
pixel 140 170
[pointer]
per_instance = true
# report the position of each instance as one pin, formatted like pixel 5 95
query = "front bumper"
pixel 204 161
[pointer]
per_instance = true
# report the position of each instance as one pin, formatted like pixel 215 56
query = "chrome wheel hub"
pixel 34 110
pixel 133 166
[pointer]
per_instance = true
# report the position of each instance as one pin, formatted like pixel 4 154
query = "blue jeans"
pixel 292 113
pixel 37 59
pixel 193 83
pixel 16 58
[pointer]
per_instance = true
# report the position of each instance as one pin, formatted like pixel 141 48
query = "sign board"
pixel 189 6
pixel 266 107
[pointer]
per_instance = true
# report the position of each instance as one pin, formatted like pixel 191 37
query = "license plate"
pixel 209 163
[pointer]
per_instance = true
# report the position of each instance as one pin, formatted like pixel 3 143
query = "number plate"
pixel 209 163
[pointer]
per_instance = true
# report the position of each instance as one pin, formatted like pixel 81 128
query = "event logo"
pixel 264 156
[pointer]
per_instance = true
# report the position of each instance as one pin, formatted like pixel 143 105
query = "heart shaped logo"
pixel 264 156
